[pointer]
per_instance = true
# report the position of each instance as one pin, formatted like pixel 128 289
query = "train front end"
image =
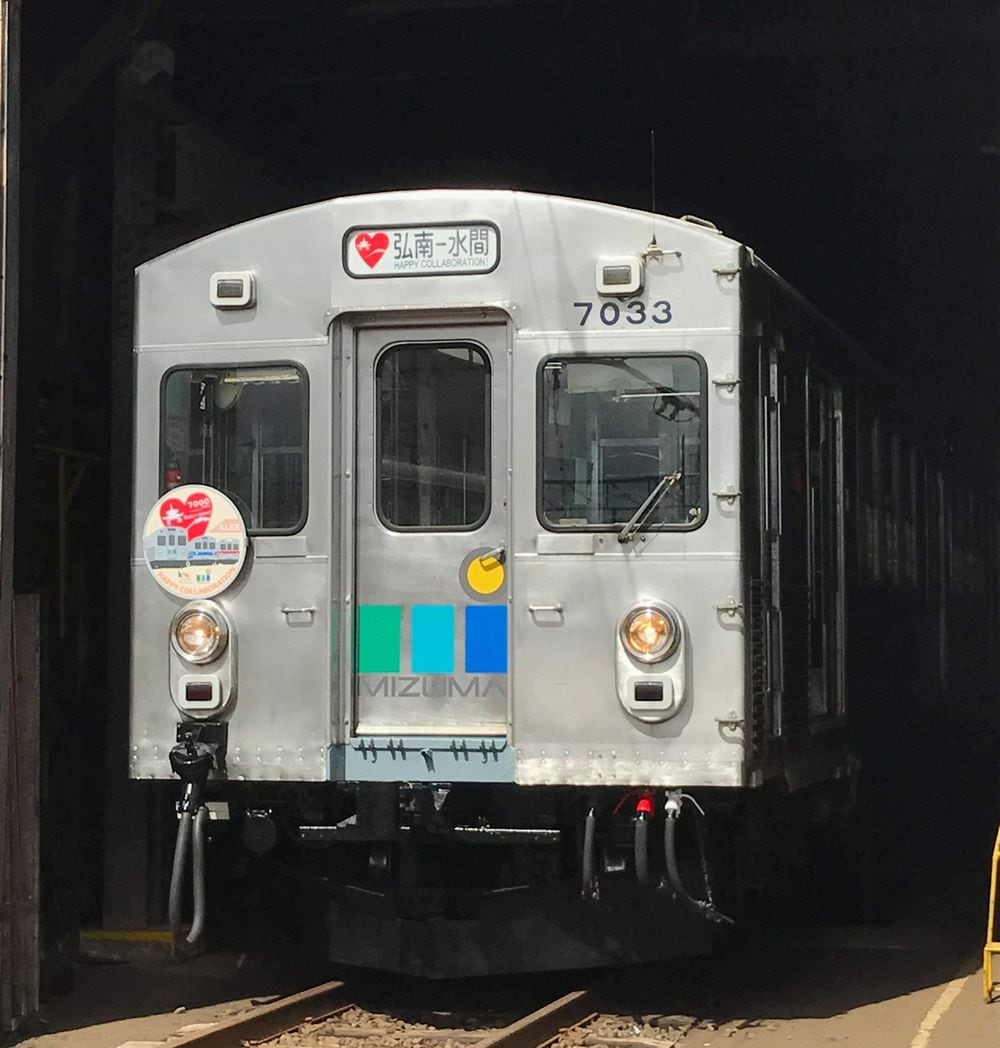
pixel 437 571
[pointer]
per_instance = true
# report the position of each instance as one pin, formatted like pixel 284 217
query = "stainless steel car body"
pixel 301 708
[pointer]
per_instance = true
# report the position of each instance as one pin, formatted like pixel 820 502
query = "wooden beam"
pixel 114 40
pixel 308 11
pixel 24 808
pixel 13 1005
pixel 125 803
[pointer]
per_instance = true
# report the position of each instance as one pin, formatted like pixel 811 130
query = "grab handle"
pixel 298 616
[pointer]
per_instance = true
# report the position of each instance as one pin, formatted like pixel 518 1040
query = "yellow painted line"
pixel 945 1000
pixel 147 935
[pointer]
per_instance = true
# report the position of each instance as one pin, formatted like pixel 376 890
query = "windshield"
pixel 611 429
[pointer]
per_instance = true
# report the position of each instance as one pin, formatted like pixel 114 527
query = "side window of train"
pixel 870 480
pixel 614 429
pixel 241 430
pixel 890 505
pixel 907 514
pixel 432 460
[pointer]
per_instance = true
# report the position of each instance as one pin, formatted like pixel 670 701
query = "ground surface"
pixel 909 978
pixel 913 984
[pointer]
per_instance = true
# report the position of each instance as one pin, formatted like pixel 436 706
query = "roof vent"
pixel 696 221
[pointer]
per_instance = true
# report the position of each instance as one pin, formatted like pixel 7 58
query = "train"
pixel 166 547
pixel 581 554
pixel 169 547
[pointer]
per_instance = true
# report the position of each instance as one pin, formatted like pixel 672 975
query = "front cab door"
pixel 431 645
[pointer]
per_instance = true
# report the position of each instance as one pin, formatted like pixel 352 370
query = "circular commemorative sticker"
pixel 194 541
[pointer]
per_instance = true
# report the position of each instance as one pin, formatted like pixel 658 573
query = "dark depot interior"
pixel 855 147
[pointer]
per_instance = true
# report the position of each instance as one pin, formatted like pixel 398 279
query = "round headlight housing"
pixel 199 633
pixel 650 634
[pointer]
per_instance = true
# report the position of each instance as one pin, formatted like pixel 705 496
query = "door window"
pixel 433 404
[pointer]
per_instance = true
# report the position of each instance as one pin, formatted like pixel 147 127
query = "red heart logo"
pixel 197 514
pixel 371 247
pixel 193 515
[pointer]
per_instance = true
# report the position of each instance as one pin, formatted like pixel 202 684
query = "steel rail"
pixel 270 1020
pixel 322 1002
pixel 543 1025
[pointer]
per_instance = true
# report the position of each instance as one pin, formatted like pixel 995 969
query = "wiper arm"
pixel 652 500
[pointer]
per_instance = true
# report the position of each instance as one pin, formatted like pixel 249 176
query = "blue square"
pixel 486 638
pixel 432 638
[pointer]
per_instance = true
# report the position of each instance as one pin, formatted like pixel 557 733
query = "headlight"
pixel 199 634
pixel 650 634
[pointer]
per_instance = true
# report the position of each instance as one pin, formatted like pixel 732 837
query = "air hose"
pixel 589 833
pixel 191 835
pixel 177 875
pixel 703 907
pixel 198 876
pixel 643 813
pixel 642 848
pixel 192 762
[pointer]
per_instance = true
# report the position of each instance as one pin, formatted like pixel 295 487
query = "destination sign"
pixel 415 251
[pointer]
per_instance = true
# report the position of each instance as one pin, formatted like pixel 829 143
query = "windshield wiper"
pixel 650 503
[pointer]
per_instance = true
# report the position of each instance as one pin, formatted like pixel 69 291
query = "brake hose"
pixel 191 834
pixel 198 876
pixel 642 848
pixel 177 876
pixel 589 831
pixel 704 908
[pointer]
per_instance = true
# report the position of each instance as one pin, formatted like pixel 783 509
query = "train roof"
pixel 547 247
pixel 510 199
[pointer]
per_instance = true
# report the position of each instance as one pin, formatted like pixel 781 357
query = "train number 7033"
pixel 636 312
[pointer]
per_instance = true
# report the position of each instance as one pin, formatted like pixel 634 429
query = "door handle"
pixel 534 609
pixel 499 554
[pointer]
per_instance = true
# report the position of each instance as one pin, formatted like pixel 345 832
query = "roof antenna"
pixel 653 250
pixel 652 172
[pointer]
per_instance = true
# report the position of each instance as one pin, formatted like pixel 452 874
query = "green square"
pixel 379 630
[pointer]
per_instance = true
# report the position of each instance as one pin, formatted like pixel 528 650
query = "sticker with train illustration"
pixel 194 541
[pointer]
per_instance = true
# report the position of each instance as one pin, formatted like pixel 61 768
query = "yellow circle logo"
pixel 482 573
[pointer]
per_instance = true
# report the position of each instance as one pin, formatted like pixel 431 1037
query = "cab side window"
pixel 241 430
pixel 613 430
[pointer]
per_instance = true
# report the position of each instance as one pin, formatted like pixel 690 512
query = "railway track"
pixel 327 1016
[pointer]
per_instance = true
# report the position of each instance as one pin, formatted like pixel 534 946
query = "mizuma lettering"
pixel 429 687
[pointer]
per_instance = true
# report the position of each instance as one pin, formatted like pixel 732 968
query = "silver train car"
pixel 203 551
pixel 166 547
pixel 548 616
